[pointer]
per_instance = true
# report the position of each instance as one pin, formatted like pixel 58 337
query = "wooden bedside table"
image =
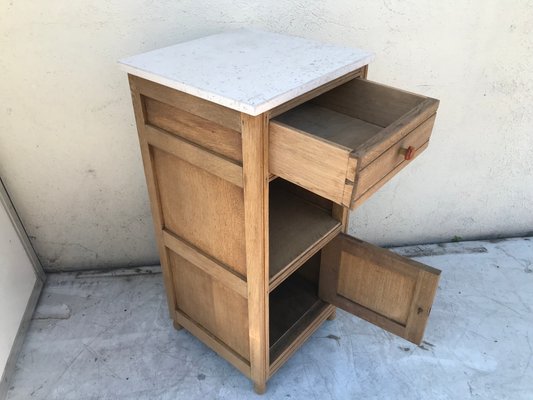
pixel 255 145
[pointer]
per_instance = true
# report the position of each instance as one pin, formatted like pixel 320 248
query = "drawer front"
pixel 373 176
pixel 322 167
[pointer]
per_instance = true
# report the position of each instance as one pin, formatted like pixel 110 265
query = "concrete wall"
pixel 68 146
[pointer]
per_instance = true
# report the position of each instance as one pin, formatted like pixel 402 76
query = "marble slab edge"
pixel 243 107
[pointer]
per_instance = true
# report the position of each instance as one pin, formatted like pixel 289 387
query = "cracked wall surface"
pixel 68 147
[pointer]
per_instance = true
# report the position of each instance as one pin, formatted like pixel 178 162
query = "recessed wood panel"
pixel 390 291
pixel 214 306
pixel 386 291
pixel 195 155
pixel 210 266
pixel 201 131
pixel 206 109
pixel 201 208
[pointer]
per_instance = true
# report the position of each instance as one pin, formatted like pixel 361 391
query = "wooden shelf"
pixel 298 229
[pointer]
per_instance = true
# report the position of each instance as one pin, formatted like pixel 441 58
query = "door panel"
pixel 390 291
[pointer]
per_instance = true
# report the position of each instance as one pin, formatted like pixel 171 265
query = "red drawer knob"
pixel 409 153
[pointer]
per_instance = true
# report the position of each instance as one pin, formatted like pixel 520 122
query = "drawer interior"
pixel 331 125
pixel 353 113
pixel 346 143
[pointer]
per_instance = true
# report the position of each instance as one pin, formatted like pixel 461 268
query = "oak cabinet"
pixel 252 161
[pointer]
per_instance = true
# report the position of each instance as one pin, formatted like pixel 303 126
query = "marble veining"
pixel 248 70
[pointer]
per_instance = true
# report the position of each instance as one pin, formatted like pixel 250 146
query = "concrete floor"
pixel 107 336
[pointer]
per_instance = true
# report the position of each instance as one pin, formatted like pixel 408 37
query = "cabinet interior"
pixel 294 305
pixel 299 220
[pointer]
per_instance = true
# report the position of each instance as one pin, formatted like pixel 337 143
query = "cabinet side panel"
pixel 202 209
pixel 139 110
pixel 211 304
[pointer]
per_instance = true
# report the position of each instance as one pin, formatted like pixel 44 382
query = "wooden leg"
pixel 177 326
pixel 260 388
pixel 333 315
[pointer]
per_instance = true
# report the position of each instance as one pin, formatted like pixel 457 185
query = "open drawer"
pixel 390 291
pixel 346 143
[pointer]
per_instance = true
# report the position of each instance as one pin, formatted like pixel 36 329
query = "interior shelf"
pixel 298 229
pixel 294 307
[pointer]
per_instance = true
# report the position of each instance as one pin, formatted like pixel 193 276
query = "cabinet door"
pixel 385 289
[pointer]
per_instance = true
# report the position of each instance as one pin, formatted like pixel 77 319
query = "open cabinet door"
pixel 21 281
pixel 387 290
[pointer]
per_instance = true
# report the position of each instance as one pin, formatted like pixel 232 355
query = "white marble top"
pixel 251 71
